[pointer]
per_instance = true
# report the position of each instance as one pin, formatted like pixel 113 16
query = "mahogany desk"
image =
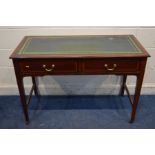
pixel 79 55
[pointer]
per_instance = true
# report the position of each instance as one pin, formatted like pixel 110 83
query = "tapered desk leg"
pixel 36 91
pixel 123 85
pixel 139 82
pixel 136 97
pixel 23 97
pixel 21 89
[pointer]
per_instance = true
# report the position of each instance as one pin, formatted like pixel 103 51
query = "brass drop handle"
pixel 47 69
pixel 110 69
pixel 27 66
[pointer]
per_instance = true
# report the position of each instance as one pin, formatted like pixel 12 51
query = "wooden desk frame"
pixel 99 64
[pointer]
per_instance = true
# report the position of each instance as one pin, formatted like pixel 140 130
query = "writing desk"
pixel 79 55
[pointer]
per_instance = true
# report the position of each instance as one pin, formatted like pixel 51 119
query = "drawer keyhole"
pixel 110 69
pixel 49 69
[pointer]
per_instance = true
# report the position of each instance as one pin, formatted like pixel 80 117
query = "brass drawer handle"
pixel 49 70
pixel 110 69
pixel 27 66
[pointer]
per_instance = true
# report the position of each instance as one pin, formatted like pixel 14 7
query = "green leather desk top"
pixel 79 45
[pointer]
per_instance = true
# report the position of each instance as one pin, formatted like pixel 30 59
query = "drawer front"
pixel 49 67
pixel 110 66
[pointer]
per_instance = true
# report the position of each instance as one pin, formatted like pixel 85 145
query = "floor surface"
pixel 77 112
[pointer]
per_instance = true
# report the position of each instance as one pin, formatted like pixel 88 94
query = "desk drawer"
pixel 49 67
pixel 110 66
